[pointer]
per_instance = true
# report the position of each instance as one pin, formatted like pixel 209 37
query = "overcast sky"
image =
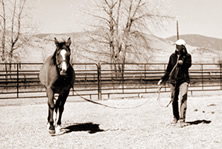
pixel 202 17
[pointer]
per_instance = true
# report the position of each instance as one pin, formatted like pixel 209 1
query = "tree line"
pixel 122 22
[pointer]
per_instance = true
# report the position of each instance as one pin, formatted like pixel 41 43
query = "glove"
pixel 160 82
pixel 180 62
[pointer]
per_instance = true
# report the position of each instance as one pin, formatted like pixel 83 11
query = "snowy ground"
pixel 86 125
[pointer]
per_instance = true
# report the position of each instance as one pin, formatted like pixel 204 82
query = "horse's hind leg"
pixel 51 107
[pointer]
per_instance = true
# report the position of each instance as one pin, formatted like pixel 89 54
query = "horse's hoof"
pixel 51 130
pixel 58 129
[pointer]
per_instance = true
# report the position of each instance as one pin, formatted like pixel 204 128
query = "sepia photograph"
pixel 111 74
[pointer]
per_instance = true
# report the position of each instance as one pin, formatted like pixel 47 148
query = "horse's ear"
pixel 56 42
pixel 68 43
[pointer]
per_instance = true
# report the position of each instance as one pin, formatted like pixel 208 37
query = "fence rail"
pixel 21 80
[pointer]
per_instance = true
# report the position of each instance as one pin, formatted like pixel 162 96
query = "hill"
pixel 209 49
pixel 86 50
pixel 201 41
pixel 150 49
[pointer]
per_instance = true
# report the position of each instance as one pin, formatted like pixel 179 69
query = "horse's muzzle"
pixel 63 68
pixel 63 73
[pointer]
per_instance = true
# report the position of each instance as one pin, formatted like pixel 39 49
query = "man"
pixel 177 73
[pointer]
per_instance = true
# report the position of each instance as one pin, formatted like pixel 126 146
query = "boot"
pixel 182 123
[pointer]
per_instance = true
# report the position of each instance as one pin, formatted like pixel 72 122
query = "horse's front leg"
pixel 51 107
pixel 62 99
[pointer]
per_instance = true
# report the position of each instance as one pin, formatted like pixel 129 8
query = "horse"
pixel 57 76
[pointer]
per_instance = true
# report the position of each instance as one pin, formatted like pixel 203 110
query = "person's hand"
pixel 180 62
pixel 160 82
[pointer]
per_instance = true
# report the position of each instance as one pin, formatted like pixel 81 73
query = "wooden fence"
pixel 21 80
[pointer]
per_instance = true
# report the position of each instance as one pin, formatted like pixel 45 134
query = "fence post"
pixel 202 76
pixel 145 81
pixel 122 75
pixel 99 81
pixel 6 75
pixel 17 80
pixel 221 76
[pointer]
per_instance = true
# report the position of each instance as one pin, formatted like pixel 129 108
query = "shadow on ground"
pixel 90 127
pixel 197 122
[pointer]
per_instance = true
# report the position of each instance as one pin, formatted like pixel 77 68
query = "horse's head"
pixel 62 55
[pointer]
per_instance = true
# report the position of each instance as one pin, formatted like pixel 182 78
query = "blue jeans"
pixel 181 91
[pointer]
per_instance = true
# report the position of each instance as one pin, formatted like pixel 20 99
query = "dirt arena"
pixel 86 125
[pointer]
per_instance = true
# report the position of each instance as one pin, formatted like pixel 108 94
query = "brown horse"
pixel 57 75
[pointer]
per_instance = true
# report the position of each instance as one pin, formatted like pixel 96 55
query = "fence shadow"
pixel 90 127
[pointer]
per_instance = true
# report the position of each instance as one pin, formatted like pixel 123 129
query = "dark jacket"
pixel 181 72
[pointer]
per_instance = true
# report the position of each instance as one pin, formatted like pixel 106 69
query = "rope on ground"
pixel 113 107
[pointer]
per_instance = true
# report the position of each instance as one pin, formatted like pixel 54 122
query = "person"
pixel 177 73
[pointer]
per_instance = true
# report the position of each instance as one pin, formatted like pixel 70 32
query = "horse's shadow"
pixel 197 122
pixel 89 127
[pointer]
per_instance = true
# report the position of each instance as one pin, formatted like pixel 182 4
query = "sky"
pixel 199 16
pixel 202 17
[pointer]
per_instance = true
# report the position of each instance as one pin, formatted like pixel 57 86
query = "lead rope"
pixel 113 107
pixel 158 98
pixel 159 88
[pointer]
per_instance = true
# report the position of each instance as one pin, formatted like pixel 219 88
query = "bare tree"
pixel 123 21
pixel 11 28
pixel 16 26
pixel 110 26
pixel 3 30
